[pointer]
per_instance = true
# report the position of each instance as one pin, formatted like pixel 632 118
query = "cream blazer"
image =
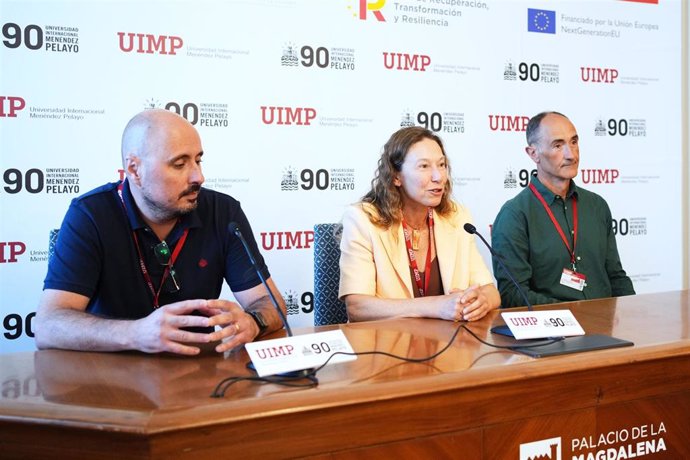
pixel 373 261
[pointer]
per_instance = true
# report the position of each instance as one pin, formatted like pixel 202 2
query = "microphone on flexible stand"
pixel 558 345
pixel 235 229
pixel 503 330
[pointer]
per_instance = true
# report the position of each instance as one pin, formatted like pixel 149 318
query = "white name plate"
pixel 298 352
pixel 539 324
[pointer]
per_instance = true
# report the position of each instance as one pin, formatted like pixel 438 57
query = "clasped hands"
pixel 470 304
pixel 163 330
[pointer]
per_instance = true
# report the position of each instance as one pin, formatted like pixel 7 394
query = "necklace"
pixel 415 235
pixel 415 239
pixel 409 232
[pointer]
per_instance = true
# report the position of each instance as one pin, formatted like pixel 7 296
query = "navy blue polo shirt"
pixel 95 253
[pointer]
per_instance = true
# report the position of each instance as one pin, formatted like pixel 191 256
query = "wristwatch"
pixel 259 320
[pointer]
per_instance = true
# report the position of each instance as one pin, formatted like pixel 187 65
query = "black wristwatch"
pixel 259 320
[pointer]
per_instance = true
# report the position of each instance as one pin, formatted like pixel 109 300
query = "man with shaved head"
pixel 139 264
pixel 555 237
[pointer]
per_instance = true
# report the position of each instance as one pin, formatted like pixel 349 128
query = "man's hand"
pixel 162 330
pixel 238 327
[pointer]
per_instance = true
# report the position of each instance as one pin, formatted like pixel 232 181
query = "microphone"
pixel 558 345
pixel 235 229
pixel 292 375
pixel 503 330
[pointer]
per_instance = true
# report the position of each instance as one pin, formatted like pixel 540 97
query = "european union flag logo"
pixel 542 21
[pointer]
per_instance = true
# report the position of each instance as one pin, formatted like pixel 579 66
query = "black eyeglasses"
pixel 162 253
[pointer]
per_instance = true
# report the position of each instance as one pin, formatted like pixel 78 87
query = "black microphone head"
pixel 469 228
pixel 233 228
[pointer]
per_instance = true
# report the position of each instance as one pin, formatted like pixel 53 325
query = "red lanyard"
pixel 145 272
pixel 413 260
pixel 178 247
pixel 557 225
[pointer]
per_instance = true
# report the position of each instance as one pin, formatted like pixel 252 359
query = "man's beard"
pixel 163 212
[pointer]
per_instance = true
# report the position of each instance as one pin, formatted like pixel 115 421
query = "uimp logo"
pixel 365 6
pixel 405 61
pixel 599 176
pixel 149 43
pixel 301 239
pixel 301 116
pixel 541 450
pixel 598 75
pixel 10 251
pixel 508 122
pixel 10 105
pixel 275 352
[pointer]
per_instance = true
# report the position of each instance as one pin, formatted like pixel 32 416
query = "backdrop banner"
pixel 294 100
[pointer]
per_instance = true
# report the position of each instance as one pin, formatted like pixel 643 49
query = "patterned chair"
pixel 52 239
pixel 327 308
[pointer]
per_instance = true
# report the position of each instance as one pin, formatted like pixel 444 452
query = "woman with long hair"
pixel 404 252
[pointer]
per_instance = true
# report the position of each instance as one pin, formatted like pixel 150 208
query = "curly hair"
pixel 384 196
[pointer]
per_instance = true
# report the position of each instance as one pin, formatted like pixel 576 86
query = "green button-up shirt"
pixel 532 249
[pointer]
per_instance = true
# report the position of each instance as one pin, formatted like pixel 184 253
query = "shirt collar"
pixel 548 195
pixel 136 222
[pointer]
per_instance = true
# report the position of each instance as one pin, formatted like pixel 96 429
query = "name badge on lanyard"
pixel 573 279
pixel 570 278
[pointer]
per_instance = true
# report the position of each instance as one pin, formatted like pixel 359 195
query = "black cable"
pixel 551 341
pixel 223 386
pixel 226 383
pixel 291 381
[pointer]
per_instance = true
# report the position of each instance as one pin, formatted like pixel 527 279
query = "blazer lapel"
pixel 397 254
pixel 447 239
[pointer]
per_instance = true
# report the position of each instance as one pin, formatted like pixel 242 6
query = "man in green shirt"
pixel 555 237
